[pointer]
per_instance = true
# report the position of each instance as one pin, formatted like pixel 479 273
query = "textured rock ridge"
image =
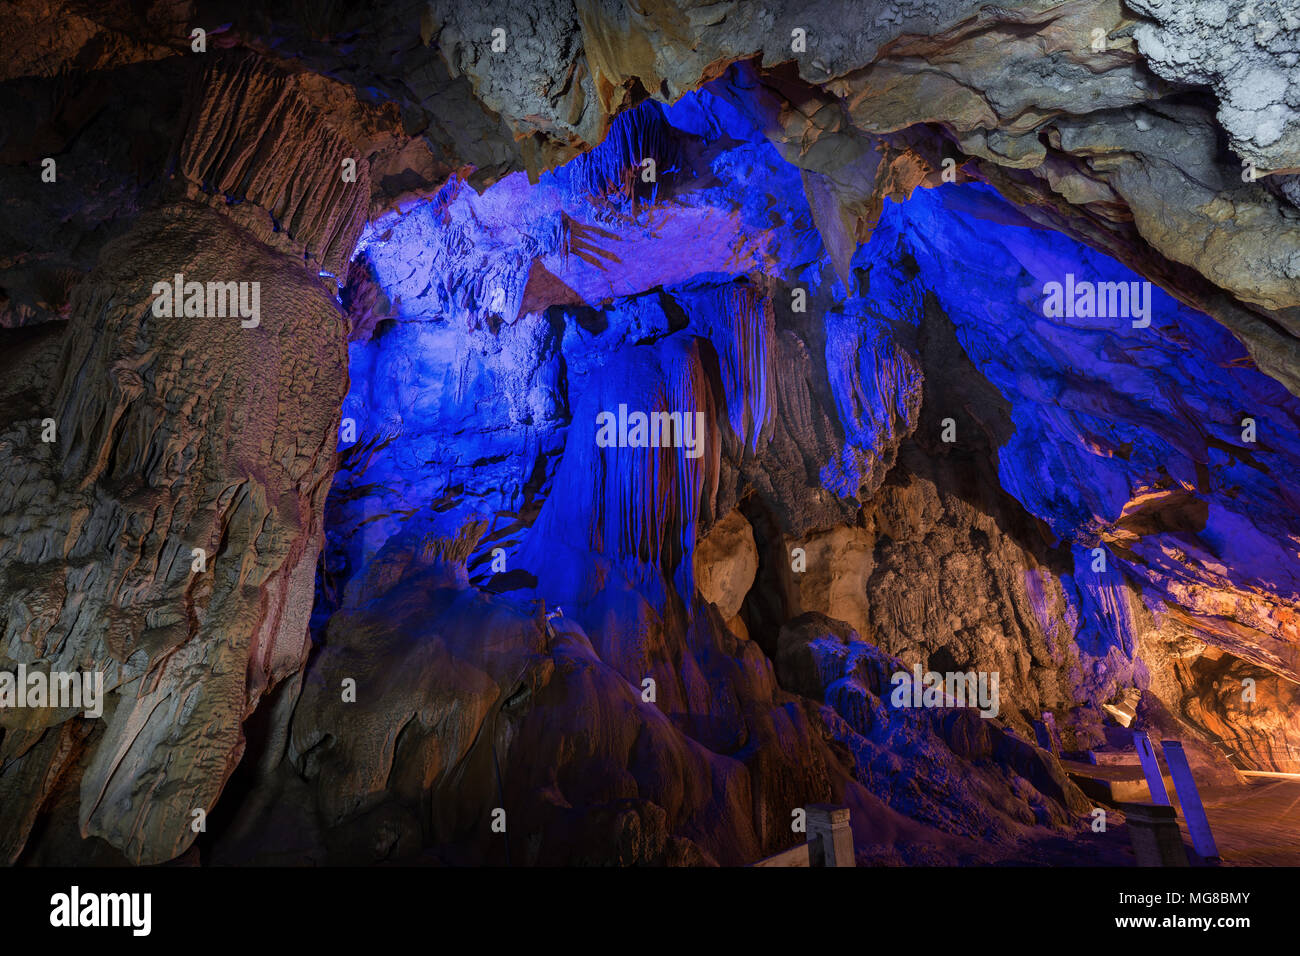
pixel 174 433
pixel 283 158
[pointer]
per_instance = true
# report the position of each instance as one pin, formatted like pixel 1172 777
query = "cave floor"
pixel 1255 825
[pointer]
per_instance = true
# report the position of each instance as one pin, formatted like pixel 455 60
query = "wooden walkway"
pixel 1255 825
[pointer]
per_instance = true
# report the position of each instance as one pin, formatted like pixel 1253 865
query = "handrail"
pixel 830 840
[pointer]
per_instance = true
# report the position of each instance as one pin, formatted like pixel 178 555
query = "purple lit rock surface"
pixel 513 318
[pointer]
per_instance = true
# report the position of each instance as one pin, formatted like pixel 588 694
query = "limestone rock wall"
pixel 171 433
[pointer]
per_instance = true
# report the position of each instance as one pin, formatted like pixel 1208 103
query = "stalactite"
pixel 637 506
pixel 738 320
pixel 290 168
pixel 612 170
pixel 877 388
pixel 1104 618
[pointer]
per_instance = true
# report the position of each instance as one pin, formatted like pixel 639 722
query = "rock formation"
pixel 633 393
